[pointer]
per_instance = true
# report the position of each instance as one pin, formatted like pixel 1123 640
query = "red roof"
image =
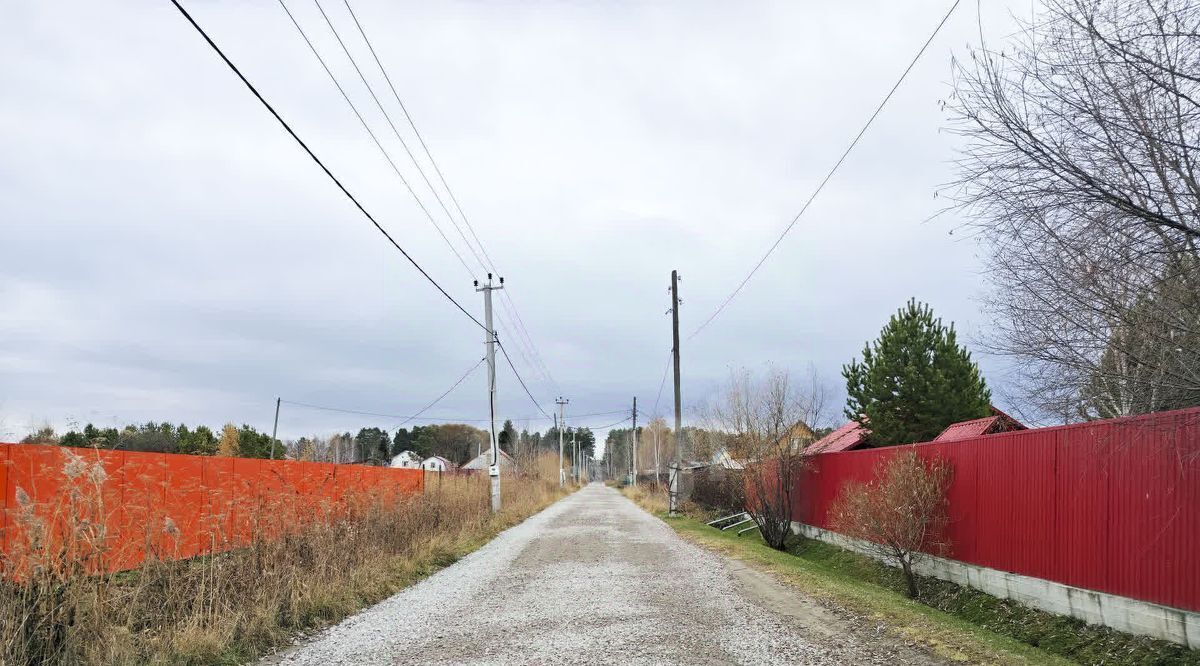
pixel 850 436
pixel 997 422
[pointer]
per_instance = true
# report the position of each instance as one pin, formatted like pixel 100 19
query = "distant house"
pixel 437 464
pixel 483 460
pixel 799 436
pixel 406 459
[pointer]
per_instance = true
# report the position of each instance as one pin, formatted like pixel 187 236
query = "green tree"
pixel 198 442
pixel 586 439
pixel 510 436
pixel 914 380
pixel 403 441
pixel 424 441
pixel 255 444
pixel 372 444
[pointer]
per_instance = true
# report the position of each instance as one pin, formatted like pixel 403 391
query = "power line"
pixel 326 408
pixel 424 146
pixel 522 381
pixel 524 339
pixel 522 344
pixel 354 108
pixel 388 118
pixel 603 427
pixel 439 398
pixel 397 417
pixel 663 383
pixel 829 175
pixel 424 409
pixel 318 161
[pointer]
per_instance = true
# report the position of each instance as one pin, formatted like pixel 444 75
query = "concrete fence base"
pixel 1121 613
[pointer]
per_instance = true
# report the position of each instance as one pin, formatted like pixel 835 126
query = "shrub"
pixel 901 514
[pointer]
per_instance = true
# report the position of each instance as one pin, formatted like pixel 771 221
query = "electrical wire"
pixel 397 417
pixel 670 357
pixel 357 114
pixel 829 175
pixel 524 339
pixel 522 381
pixel 605 427
pixel 440 397
pixel 318 161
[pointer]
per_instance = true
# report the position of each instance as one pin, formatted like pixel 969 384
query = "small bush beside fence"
pixel 1112 506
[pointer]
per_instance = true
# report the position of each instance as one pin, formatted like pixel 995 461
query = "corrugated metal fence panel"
pixel 1014 505
pixel 1111 505
pixel 1152 537
pixel 1082 481
pixel 165 505
pixel 4 493
pixel 184 531
pixel 961 533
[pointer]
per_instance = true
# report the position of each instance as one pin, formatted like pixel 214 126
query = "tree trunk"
pixel 910 579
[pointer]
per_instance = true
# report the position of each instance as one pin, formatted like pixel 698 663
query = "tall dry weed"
pixel 61 604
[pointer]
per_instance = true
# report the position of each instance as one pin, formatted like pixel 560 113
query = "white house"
pixel 483 460
pixel 406 459
pixel 436 464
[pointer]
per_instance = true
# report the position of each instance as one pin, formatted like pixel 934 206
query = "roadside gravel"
pixel 594 579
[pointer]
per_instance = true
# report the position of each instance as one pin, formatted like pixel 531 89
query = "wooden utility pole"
pixel 275 429
pixel 678 465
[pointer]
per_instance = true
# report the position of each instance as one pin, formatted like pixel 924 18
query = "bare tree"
pixel 768 424
pixel 901 514
pixel 1079 172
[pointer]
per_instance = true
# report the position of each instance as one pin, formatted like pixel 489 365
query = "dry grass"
pixel 231 607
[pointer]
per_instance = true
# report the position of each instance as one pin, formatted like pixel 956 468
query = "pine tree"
pixel 914 380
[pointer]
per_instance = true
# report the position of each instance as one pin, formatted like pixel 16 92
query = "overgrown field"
pixel 232 607
pixel 955 622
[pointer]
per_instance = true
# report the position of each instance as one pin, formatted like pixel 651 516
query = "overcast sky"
pixel 168 253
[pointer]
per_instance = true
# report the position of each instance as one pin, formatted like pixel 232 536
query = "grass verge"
pixel 953 622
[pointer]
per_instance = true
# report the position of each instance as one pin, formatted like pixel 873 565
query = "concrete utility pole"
pixel 490 339
pixel 276 428
pixel 562 418
pixel 657 475
pixel 575 454
pixel 634 455
pixel 678 465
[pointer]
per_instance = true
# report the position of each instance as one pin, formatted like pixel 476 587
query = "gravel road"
pixel 594 579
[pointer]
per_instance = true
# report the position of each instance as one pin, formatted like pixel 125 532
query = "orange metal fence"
pixel 110 510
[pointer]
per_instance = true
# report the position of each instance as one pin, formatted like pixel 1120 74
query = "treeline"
pixel 456 442
pixel 230 440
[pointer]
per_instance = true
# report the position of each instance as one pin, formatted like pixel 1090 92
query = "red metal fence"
pixel 110 509
pixel 1112 506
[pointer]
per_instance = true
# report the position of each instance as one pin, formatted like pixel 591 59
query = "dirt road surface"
pixel 594 579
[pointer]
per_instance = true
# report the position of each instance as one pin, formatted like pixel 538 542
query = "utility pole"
pixel 657 474
pixel 575 454
pixel 562 418
pixel 276 428
pixel 677 467
pixel 634 455
pixel 490 340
